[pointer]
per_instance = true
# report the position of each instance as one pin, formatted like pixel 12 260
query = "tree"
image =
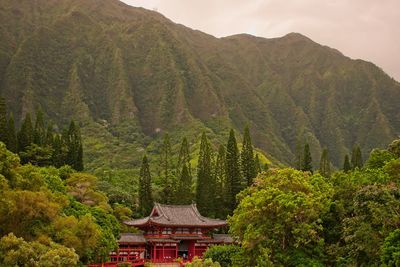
pixel 168 183
pixel 278 219
pixel 12 142
pixel 307 160
pixel 394 148
pixel 184 157
pixel 346 164
pixel 391 250
pixel 233 176
pixel 39 132
pixel 247 159
pixel 325 165
pixel 73 141
pixel 3 121
pixel 205 186
pixel 184 190
pixel 258 164
pixel 25 135
pixel 356 157
pixel 145 196
pixel 220 183
pixel 378 158
pixel 223 254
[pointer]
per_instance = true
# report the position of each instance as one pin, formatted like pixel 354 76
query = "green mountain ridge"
pixel 129 75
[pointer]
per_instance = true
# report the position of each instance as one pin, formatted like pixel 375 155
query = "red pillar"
pixel 163 257
pixel 176 250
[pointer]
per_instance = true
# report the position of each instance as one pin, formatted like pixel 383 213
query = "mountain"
pixel 130 74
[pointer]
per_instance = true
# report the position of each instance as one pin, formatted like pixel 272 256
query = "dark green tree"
pixel 233 176
pixel 168 179
pixel 49 135
pixel 356 157
pixel 145 196
pixel 3 121
pixel 325 164
pixel 204 189
pixel 220 183
pixel 307 159
pixel 12 142
pixel 25 134
pixel 247 158
pixel 184 157
pixel 39 132
pixel 58 157
pixel 184 194
pixel 257 164
pixel 346 164
pixel 73 141
pixel 394 148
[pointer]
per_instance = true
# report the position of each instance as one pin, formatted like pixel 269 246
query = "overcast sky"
pixel 366 29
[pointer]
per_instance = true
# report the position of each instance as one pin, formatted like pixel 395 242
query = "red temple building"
pixel 168 233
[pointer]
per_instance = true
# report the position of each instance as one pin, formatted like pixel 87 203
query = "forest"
pixel 53 214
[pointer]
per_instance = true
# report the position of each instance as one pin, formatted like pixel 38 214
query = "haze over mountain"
pixel 129 74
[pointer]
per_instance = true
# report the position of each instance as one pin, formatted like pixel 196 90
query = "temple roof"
pixel 176 215
pixel 132 238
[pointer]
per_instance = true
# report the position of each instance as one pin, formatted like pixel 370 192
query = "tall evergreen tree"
pixel 299 155
pixel 204 197
pixel 307 159
pixel 167 192
pixel 49 135
pixel 233 175
pixel 39 133
pixel 58 158
pixel 184 157
pixel 257 164
pixel 221 194
pixel 145 191
pixel 25 134
pixel 12 142
pixel 346 164
pixel 247 158
pixel 3 121
pixel 184 194
pixel 356 157
pixel 325 165
pixel 73 140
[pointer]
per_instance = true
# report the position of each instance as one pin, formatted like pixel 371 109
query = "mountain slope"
pixel 131 71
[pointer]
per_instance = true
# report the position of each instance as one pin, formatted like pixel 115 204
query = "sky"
pixel 360 29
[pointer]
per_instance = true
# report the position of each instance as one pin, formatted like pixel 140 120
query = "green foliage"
pixel 391 249
pixel 307 160
pixel 346 164
pixel 223 254
pixel 205 190
pixel 18 252
pixel 356 157
pixel 3 121
pixel 279 219
pixel 378 158
pixel 145 191
pixel 233 175
pixel 325 164
pixel 168 177
pixel 394 148
pixel 247 158
pixel 197 262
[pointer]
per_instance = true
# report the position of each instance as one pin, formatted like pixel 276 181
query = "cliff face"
pixel 105 61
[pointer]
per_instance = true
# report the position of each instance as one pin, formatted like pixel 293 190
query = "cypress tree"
pixel 39 133
pixel 79 158
pixel 299 155
pixel 12 142
pixel 167 192
pixel 346 164
pixel 49 135
pixel 3 121
pixel 73 141
pixel 184 190
pixel 204 178
pixel 356 157
pixel 184 157
pixel 247 158
pixel 145 197
pixel 57 157
pixel 25 135
pixel 325 165
pixel 221 194
pixel 233 175
pixel 307 159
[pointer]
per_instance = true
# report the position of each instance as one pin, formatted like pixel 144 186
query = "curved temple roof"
pixel 176 215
